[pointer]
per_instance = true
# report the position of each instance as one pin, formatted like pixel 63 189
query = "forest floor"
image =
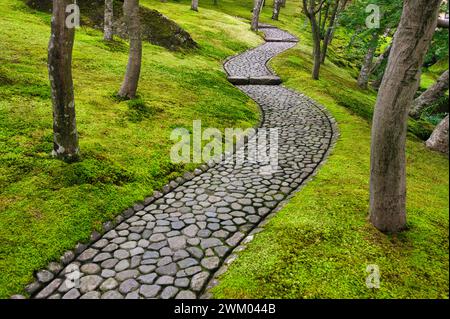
pixel 318 246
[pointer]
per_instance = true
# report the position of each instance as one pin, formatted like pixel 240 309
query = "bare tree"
pixel 258 4
pixel 388 163
pixel 438 141
pixel 431 95
pixel 108 25
pixel 65 134
pixel 194 5
pixel 132 18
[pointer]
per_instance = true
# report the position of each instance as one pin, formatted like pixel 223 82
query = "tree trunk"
pixel 65 135
pixel 328 34
pixel 438 141
pixel 256 11
pixel 380 59
pixel 194 5
pixel 130 82
pixel 316 49
pixel 276 9
pixel 388 163
pixel 108 27
pixel 283 3
pixel 364 74
pixel 428 97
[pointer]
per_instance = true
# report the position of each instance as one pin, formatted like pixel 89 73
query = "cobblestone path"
pixel 171 247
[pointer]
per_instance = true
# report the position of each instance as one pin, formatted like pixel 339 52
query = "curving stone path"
pixel 172 247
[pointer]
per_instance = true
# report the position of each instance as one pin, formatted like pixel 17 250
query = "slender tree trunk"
pixel 328 34
pixel 430 96
pixel 108 27
pixel 310 12
pixel 364 74
pixel 65 134
pixel 380 59
pixel 388 163
pixel 438 141
pixel 194 5
pixel 316 49
pixel 132 18
pixel 283 3
pixel 276 9
pixel 256 11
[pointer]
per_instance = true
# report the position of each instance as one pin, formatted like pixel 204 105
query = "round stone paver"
pixel 172 247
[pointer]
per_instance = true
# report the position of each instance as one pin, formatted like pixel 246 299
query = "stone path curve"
pixel 171 247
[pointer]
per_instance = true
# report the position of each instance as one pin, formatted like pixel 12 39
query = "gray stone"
pixel 89 283
pixel 127 274
pixel 165 280
pixel 128 286
pixel 90 269
pixel 185 294
pixel 170 269
pixel 147 279
pixel 109 284
pixel 211 263
pixel 91 295
pixel 112 294
pixel 169 292
pixel 177 243
pixel 72 294
pixel 149 291
pixel 44 276
pixel 199 280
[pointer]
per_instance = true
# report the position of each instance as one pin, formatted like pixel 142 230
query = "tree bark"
pixel 380 59
pixel 316 49
pixel 108 27
pixel 438 141
pixel 388 163
pixel 132 18
pixel 194 5
pixel 364 74
pixel 256 11
pixel 328 34
pixel 276 9
pixel 311 12
pixel 430 96
pixel 65 134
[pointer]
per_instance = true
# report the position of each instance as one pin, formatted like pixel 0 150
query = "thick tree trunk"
pixel 256 11
pixel 65 135
pixel 194 5
pixel 364 74
pixel 130 82
pixel 276 9
pixel 388 163
pixel 438 141
pixel 108 27
pixel 428 97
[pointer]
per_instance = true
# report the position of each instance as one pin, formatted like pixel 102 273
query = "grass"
pixel 319 244
pixel 47 206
